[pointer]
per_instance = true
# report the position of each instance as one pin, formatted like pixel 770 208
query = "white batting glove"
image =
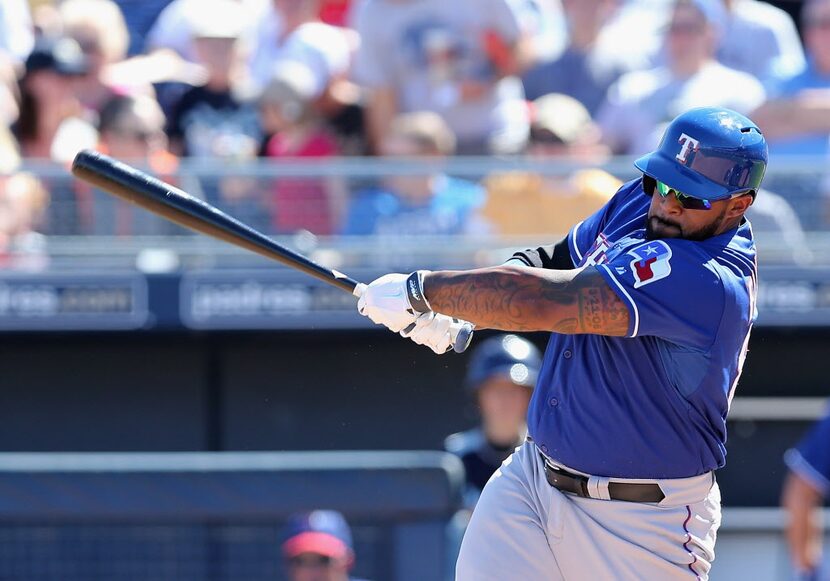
pixel 394 300
pixel 434 330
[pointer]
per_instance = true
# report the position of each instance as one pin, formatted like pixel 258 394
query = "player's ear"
pixel 739 205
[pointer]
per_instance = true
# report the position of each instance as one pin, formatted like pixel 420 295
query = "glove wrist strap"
pixel 415 292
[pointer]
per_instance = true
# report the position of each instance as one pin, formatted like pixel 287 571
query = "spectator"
pixel 99 29
pixel 131 129
pixel 805 487
pixel 458 59
pixel 298 131
pixel 293 32
pixel 317 546
pixel 587 67
pixel 171 57
pixel 796 121
pixel 429 204
pixel 523 203
pixel 760 39
pixel 174 28
pixel 217 119
pixel 640 103
pixel 23 201
pixel 50 123
pixel 501 376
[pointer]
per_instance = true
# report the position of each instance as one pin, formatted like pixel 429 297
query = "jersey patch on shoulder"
pixel 651 262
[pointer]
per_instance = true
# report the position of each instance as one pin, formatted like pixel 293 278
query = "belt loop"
pixel 598 487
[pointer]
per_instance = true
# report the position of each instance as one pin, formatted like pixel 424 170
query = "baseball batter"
pixel 650 301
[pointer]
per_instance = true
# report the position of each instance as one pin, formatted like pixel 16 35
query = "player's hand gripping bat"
pixel 142 189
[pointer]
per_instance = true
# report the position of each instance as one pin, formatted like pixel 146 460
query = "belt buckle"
pixel 581 482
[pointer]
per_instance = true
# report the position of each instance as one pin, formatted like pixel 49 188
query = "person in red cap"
pixel 318 546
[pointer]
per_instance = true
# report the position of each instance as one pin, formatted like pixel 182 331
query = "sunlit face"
pixel 217 55
pixel 50 87
pixel 134 143
pixel 136 135
pixel 667 218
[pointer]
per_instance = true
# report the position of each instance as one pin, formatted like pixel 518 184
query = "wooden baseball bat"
pixel 167 201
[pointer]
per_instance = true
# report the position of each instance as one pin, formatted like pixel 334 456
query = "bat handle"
pixel 461 331
pixel 462 335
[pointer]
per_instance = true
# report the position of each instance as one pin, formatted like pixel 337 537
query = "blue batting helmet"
pixel 709 153
pixel 509 356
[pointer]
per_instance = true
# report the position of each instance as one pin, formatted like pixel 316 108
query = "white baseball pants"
pixel 524 529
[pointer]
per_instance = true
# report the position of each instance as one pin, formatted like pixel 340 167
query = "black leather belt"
pixel 576 484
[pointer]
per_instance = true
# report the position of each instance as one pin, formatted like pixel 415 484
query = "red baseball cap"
pixel 324 532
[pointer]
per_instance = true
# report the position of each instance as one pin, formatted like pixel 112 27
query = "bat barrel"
pixel 161 198
pixel 167 201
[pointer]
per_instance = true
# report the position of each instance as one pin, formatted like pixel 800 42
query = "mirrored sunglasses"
pixel 688 202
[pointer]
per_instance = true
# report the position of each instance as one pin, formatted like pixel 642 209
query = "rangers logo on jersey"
pixel 596 254
pixel 651 262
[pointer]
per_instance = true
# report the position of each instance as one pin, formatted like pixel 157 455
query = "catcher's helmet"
pixel 709 153
pixel 510 356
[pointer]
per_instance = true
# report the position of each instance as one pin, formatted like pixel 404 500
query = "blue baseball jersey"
pixel 652 404
pixel 810 459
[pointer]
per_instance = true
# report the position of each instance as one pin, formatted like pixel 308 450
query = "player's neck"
pixel 729 225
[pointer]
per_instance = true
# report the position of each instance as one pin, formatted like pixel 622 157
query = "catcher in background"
pixel 500 376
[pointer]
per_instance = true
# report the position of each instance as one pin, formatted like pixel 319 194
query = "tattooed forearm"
pixel 529 299
pixel 600 309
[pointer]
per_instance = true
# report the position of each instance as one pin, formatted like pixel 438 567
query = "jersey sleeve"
pixel 810 459
pixel 670 292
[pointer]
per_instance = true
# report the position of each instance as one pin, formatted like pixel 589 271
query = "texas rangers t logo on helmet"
pixel 688 145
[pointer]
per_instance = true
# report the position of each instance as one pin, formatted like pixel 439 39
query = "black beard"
pixel 704 233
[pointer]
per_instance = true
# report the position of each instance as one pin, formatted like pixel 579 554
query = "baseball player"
pixel 317 546
pixel 806 486
pixel 501 375
pixel 650 301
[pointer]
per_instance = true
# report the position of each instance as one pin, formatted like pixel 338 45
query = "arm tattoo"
pixel 515 298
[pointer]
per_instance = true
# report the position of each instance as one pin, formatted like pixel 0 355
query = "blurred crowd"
pixel 229 81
